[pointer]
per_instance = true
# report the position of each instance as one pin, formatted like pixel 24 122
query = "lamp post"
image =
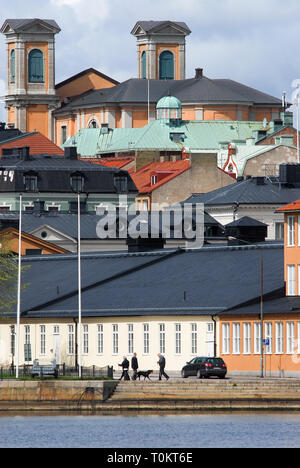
pixel 296 103
pixel 79 286
pixel 19 289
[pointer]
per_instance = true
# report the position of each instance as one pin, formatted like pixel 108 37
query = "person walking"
pixel 134 366
pixel 162 364
pixel 125 367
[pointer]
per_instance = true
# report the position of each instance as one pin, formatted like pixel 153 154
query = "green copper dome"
pixel 168 109
pixel 168 102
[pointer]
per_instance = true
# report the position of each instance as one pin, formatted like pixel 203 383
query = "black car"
pixel 205 367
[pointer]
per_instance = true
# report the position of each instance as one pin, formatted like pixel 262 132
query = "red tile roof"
pixel 118 162
pixel 165 171
pixel 295 206
pixel 38 143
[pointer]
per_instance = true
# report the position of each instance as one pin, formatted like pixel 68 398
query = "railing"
pixel 92 372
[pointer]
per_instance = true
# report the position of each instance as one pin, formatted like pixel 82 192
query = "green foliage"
pixel 8 277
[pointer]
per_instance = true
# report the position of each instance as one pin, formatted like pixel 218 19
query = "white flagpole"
pixel 19 290
pixel 148 101
pixel 79 289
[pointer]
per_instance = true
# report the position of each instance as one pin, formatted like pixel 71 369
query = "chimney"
pixel 71 152
pixel 2 126
pixel 198 73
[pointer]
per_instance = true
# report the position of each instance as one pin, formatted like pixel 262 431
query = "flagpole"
pixel 19 290
pixel 79 288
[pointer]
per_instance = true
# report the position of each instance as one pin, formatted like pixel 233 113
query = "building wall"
pixel 37 119
pixel 82 84
pixel 147 356
pixel 261 165
pixel 277 363
pixel 292 253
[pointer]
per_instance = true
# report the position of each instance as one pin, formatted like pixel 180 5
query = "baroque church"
pixel 34 102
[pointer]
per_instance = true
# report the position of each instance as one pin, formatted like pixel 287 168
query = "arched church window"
pixel 166 65
pixel 12 66
pixel 92 124
pixel 143 62
pixel 36 66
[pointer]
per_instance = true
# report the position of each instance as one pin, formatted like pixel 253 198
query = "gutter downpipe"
pixel 215 335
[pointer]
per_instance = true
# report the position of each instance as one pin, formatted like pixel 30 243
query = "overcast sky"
pixel 254 42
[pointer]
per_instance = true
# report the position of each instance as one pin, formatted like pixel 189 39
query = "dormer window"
pixel 121 183
pixel 77 182
pixel 30 182
pixel 153 179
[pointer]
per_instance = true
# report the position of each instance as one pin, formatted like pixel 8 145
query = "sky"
pixel 254 42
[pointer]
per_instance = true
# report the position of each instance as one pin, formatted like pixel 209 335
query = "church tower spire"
pixel 161 49
pixel 31 95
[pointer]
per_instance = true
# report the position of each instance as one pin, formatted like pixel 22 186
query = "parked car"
pixel 205 367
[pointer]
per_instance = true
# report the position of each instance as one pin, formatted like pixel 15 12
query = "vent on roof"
pixel 289 174
pixel 70 152
pixel 104 128
pixel 177 137
pixel 198 73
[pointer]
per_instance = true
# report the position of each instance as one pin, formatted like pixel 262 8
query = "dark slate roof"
pixel 246 221
pixel 197 281
pixel 67 222
pixel 52 162
pixel 248 192
pixel 192 90
pixel 281 305
pixel 148 26
pixel 18 24
pixel 9 133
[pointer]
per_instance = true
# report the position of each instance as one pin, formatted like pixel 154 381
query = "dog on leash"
pixel 144 374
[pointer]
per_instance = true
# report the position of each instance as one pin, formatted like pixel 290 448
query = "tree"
pixel 8 276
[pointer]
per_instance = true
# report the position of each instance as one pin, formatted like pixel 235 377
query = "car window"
pixel 193 361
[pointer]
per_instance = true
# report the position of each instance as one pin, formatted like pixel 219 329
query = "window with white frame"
pixel 85 339
pixel 42 339
pixel 130 338
pixel 12 340
pixel 236 338
pixel 291 280
pixel 115 339
pixel 257 338
pixel 100 338
pixel 225 338
pixel 291 231
pixel 268 336
pixel 177 338
pixel 290 337
pixel 279 337
pixel 194 338
pixel 71 339
pixel 247 338
pixel 146 338
pixel 27 334
pixel 162 338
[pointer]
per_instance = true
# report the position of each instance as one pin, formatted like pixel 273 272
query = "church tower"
pixel 31 95
pixel 161 49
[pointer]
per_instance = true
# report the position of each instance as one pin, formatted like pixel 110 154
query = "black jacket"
pixel 125 364
pixel 134 363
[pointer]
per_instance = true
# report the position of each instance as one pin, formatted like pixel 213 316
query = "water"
pixel 253 430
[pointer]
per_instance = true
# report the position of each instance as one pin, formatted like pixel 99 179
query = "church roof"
pixel 190 91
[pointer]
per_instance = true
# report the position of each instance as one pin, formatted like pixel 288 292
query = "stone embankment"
pixel 174 395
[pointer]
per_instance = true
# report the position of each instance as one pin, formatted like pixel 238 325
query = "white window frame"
pixel 100 338
pixel 115 338
pixel 291 231
pixel 162 338
pixel 146 340
pixel 290 337
pixel 247 338
pixel 291 280
pixel 257 338
pixel 225 338
pixel 85 339
pixel 236 338
pixel 71 340
pixel 42 340
pixel 194 338
pixel 177 338
pixel 269 336
pixel 279 338
pixel 130 338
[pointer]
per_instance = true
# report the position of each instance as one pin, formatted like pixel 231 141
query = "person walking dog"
pixel 162 364
pixel 134 366
pixel 125 367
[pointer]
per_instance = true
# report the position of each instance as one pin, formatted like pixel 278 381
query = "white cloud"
pixel 92 12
